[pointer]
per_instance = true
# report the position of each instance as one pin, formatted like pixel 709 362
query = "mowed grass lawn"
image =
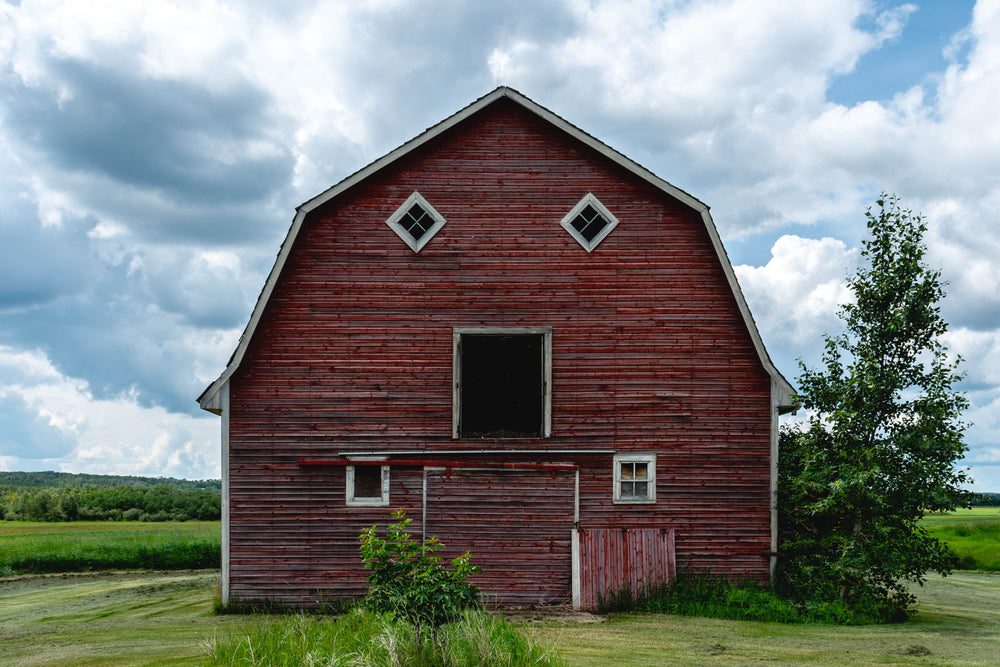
pixel 167 618
pixel 89 546
pixel 135 618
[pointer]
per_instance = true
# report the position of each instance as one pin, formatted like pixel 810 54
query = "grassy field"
pixel 158 618
pixel 958 623
pixel 166 618
pixel 963 516
pixel 87 546
pixel 973 534
pixel 109 619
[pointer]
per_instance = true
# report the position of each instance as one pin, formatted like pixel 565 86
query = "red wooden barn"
pixel 531 343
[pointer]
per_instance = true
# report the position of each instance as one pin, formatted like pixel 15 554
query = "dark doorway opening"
pixel 502 381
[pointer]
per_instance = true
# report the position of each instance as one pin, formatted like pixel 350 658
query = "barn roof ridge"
pixel 210 399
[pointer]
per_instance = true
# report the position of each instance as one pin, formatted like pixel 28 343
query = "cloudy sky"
pixel 153 153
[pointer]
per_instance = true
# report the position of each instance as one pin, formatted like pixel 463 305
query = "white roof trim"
pixel 208 398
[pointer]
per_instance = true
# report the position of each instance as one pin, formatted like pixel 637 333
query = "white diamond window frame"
pixel 594 203
pixel 395 222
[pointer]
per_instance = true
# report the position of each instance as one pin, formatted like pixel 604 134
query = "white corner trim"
pixel 778 400
pixel 223 395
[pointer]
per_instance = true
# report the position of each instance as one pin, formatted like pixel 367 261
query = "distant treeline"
pixel 988 499
pixel 19 481
pixel 51 496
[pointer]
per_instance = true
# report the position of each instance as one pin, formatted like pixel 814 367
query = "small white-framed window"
pixel 589 222
pixel 635 478
pixel 367 484
pixel 416 221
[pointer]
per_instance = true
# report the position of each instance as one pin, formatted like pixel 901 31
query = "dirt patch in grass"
pixel 552 613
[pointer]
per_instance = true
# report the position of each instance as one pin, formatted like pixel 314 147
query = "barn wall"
pixel 518 525
pixel 289 540
pixel 354 353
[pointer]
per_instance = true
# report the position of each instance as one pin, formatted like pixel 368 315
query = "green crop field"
pixel 971 515
pixel 88 546
pixel 973 534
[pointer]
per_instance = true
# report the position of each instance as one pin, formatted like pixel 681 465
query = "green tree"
pixel 884 436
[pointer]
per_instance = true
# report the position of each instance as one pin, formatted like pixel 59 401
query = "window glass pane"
pixel 417 222
pixel 627 471
pixel 589 223
pixel 634 490
pixel 368 481
pixel 640 470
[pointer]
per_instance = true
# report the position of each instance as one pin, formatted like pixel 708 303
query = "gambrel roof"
pixel 210 399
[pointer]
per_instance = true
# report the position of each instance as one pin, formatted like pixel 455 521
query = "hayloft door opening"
pixel 501 383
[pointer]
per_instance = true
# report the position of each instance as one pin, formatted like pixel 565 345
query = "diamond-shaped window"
pixel 589 222
pixel 416 221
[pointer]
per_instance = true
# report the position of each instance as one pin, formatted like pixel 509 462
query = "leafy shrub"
pixel 694 594
pixel 132 514
pixel 702 594
pixel 407 579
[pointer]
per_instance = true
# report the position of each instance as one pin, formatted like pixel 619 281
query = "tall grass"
pixel 973 534
pixel 88 547
pixel 366 638
pixel 708 596
pixel 976 544
pixel 693 594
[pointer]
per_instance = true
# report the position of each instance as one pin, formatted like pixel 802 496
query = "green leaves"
pixel 885 434
pixel 407 579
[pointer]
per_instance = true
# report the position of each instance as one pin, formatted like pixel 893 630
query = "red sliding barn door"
pixel 518 524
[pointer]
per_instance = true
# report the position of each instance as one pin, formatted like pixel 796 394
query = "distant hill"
pixel 26 481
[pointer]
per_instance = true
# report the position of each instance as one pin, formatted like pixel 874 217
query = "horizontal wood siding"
pixel 518 526
pixel 293 539
pixel 354 352
pixel 612 559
